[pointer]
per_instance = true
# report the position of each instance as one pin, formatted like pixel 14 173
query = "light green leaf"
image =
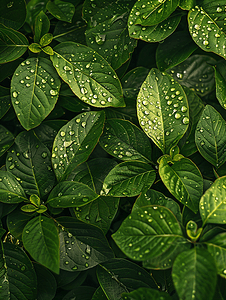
pixel 107 31
pixel 212 205
pixel 20 273
pixel 42 25
pixel 75 141
pixel 61 10
pixel 145 293
pixel 184 181
pixel 155 33
pixel 162 109
pixel 128 179
pixel 35 88
pixel 196 73
pixel 220 77
pixel 12 13
pixel 48 50
pixel 174 50
pixel 148 233
pixel 46 39
pixel 151 13
pixel 35 48
pixel 10 189
pixel 6 140
pixel 89 75
pixel 216 10
pixel 194 274
pixel 29 161
pixel 82 246
pixel 29 208
pixel 187 4
pixel 71 194
pixel 34 199
pixel 210 136
pixel 217 247
pixel 124 140
pixel 205 31
pixel 40 239
pixel 13 44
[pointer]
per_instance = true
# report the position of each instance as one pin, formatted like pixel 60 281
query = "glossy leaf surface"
pixel 5 101
pixel 220 76
pixel 144 293
pixel 162 110
pixel 6 140
pixel 89 76
pixel 61 10
pixel 12 14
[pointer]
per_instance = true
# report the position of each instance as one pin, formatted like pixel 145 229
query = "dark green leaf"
pixel 174 50
pixel 71 194
pixel 34 90
pixel 196 73
pixel 99 294
pixel 118 276
pixel 212 204
pixel 5 101
pixel 148 233
pixel 125 141
pixel 144 293
pixel 210 136
pixel 80 293
pixel 184 181
pixel 7 70
pixel 205 31
pixel 128 179
pixel 82 246
pixel 40 239
pixel 61 10
pixel 194 274
pixel 42 25
pixel 20 273
pixel 12 13
pixel 6 140
pixel 89 75
pixel 34 7
pixel 13 44
pixel 10 189
pixel 75 141
pixel 162 110
pixel 29 161
pixel 220 76
pixel 4 282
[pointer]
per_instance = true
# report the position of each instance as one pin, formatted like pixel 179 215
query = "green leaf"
pixel 4 282
pixel 196 73
pixel 151 13
pixel 194 274
pixel 75 141
pixel 5 101
pixel 42 25
pixel 13 44
pixel 220 77
pixel 107 31
pixel 29 208
pixel 71 194
pixel 124 140
pixel 61 10
pixel 34 199
pixel 6 140
pixel 118 276
pixel 46 39
pixel 148 233
pixel 216 10
pixel 187 4
pixel 40 239
pixel 89 76
pixel 152 197
pixel 184 181
pixel 10 189
pixel 35 48
pixel 34 90
pixel 34 7
pixel 82 246
pixel 7 70
pixel 20 273
pixel 217 247
pixel 210 136
pixel 162 110
pixel 144 293
pixel 205 31
pixel 99 294
pixel 128 179
pixel 12 13
pixel 48 50
pixel 155 33
pixel 212 205
pixel 80 293
pixel 174 50
pixel 29 161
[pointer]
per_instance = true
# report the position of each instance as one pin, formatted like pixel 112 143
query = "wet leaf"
pixel 145 293
pixel 12 13
pixel 124 140
pixel 89 76
pixel 210 136
pixel 162 110
pixel 40 239
pixel 220 77
pixel 128 179
pixel 75 141
pixel 34 91
pixel 6 140
pixel 61 10
pixel 5 100
pixel 42 25
pixel 187 4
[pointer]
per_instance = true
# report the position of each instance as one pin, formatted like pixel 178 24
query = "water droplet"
pixel 83 124
pixel 62 133
pixel 44 155
pixel 177 116
pixel 184 109
pixel 23 268
pixel 219 9
pixel 75 268
pixel 77 120
pixel 205 42
pixel 66 68
pixel 53 93
pixel 27 231
pixel 86 265
pixel 83 90
pixel 185 120
pixel 9 4
pixel 15 94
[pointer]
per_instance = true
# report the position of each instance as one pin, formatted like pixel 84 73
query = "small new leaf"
pixel 35 48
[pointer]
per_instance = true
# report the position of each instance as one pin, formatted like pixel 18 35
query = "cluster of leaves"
pixel 112 149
